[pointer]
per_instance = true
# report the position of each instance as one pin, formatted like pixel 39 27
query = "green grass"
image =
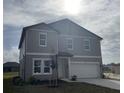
pixel 9 75
pixel 63 88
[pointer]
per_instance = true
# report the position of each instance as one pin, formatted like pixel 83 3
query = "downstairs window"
pixel 42 66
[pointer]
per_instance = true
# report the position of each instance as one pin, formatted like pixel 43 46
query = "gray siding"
pixel 21 71
pixel 78 46
pixel 22 50
pixel 56 41
pixel 21 59
pixel 67 27
pixel 63 69
pixel 29 68
pixel 85 59
pixel 33 42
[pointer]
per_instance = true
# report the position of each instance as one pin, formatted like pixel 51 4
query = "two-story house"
pixel 61 48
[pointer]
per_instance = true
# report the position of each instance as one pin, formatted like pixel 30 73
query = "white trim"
pixel 87 56
pixel 69 68
pixel 88 40
pixel 42 66
pixel 43 33
pixel 42 30
pixel 68 44
pixel 63 57
pixel 68 58
pixel 34 53
pixel 84 62
pixel 33 66
pixel 75 36
pixel 75 56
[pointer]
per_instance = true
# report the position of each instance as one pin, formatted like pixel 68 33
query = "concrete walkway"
pixel 103 82
pixel 113 84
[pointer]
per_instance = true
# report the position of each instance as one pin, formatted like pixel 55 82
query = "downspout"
pixel 101 66
pixel 25 57
pixel 57 62
pixel 56 71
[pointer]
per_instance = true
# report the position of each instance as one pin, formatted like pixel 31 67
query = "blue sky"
pixel 102 17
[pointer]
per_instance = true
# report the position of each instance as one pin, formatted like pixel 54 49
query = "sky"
pixel 101 17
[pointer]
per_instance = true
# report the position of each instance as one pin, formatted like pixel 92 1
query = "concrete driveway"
pixel 113 84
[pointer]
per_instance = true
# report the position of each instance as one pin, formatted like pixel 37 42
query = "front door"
pixel 63 67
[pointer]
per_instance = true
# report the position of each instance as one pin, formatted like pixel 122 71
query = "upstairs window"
pixel 86 44
pixel 70 43
pixel 43 39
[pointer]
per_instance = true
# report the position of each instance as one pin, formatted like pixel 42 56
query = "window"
pixel 47 64
pixel 41 66
pixel 70 43
pixel 37 66
pixel 87 44
pixel 43 39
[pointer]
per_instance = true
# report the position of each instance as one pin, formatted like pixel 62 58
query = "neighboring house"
pixel 11 67
pixel 63 45
pixel 106 68
pixel 116 68
pixel 112 68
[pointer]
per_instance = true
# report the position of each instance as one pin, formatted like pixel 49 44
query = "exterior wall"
pixel 69 29
pixel 22 50
pixel 21 59
pixel 78 46
pixel 79 59
pixel 31 42
pixel 10 69
pixel 33 45
pixel 57 42
pixel 63 67
pixel 29 68
pixel 116 69
pixel 21 71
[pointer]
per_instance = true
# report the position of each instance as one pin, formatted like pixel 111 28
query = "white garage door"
pixel 85 70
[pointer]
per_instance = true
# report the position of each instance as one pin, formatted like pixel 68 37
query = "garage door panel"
pixel 83 70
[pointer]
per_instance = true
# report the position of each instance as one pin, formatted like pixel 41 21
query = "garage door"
pixel 85 70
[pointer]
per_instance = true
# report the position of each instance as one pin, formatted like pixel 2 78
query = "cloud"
pixel 11 36
pixel 11 55
pixel 28 12
pixel 101 17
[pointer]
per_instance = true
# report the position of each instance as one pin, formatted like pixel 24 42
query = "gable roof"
pixel 59 26
pixel 36 26
pixel 68 25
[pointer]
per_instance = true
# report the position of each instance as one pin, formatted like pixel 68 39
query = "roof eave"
pixel 22 37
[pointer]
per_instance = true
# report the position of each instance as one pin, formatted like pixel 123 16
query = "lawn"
pixel 9 75
pixel 63 87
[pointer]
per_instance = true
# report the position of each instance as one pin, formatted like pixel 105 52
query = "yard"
pixel 64 87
